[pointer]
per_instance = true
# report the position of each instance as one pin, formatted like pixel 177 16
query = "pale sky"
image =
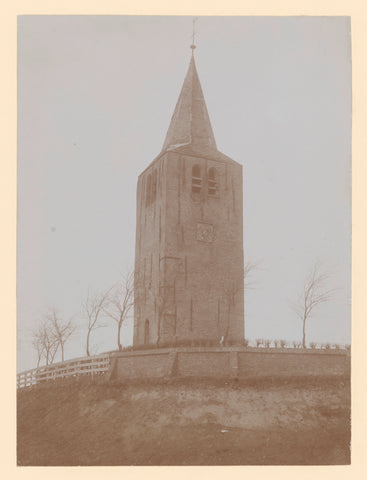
pixel 96 95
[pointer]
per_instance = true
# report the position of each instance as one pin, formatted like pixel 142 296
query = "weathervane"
pixel 193 46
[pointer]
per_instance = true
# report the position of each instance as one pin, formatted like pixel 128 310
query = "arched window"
pixel 196 179
pixel 212 181
pixel 146 332
pixel 148 190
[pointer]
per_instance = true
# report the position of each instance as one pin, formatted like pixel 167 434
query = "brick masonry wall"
pixel 291 363
pixel 191 364
pixel 149 248
pixel 137 366
pixel 229 362
pixel 189 283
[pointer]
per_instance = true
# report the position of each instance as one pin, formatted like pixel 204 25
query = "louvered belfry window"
pixel 212 181
pixel 196 180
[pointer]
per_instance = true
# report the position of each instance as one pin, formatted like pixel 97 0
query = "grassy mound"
pixel 203 422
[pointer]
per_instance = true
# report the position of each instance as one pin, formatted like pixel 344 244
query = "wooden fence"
pixel 95 365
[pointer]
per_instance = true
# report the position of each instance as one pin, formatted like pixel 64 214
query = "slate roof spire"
pixel 190 124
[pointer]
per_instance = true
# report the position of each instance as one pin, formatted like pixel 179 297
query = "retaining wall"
pixel 228 362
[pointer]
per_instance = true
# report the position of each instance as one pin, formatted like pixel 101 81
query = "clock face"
pixel 205 232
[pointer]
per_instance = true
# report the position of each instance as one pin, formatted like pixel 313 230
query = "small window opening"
pixel 148 190
pixel 196 179
pixel 154 185
pixel 151 188
pixel 146 332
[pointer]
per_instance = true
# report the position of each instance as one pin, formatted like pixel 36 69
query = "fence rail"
pixel 97 364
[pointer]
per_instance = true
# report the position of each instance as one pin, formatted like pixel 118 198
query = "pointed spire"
pixel 190 123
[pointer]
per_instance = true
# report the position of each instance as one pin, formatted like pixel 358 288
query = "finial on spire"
pixel 193 46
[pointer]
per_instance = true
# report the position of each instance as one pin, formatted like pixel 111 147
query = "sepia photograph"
pixel 183 240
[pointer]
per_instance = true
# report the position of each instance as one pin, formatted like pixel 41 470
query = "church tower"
pixel 189 234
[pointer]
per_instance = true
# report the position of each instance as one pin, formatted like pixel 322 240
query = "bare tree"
pixel 45 342
pixel 62 330
pixel 93 306
pixel 38 343
pixel 51 334
pixel 315 292
pixel 50 342
pixel 247 271
pixel 120 302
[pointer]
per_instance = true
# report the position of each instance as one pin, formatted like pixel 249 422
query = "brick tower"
pixel 189 237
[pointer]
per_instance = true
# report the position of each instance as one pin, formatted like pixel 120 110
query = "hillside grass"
pixel 288 421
